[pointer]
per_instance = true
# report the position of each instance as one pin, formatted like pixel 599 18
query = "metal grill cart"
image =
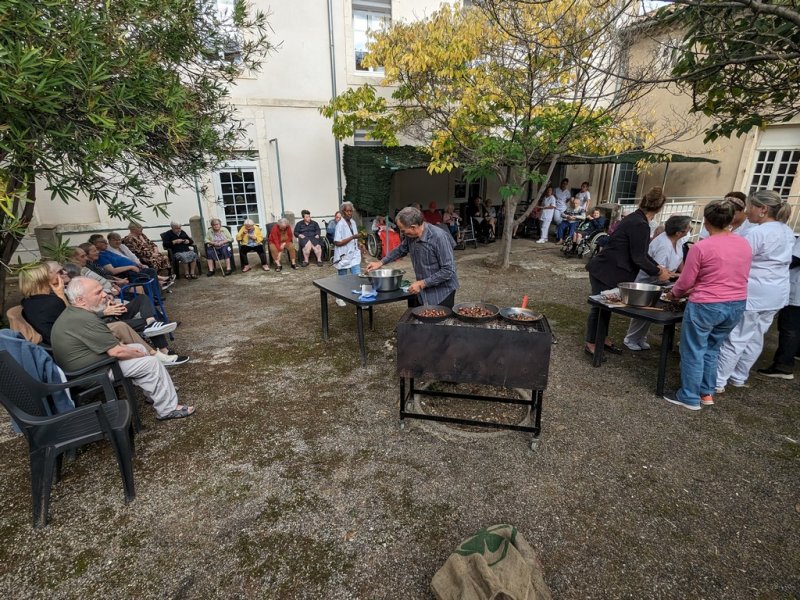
pixel 495 353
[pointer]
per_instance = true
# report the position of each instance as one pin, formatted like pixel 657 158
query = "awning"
pixel 633 157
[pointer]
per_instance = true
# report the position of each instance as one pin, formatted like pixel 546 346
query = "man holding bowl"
pixel 431 250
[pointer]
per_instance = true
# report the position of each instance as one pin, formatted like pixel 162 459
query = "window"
pixel 626 181
pixel 368 15
pixel 775 170
pixel 360 138
pixel 232 52
pixel 238 196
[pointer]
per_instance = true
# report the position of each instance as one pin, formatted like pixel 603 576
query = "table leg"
pixel 666 347
pixel 323 299
pixel 361 342
pixel 600 336
pixel 370 318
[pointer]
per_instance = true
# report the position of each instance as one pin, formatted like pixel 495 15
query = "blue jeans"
pixel 566 229
pixel 705 327
pixel 354 270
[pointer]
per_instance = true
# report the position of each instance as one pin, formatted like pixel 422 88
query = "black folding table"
pixel 342 288
pixel 665 318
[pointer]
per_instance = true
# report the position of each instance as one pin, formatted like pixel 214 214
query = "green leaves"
pixel 104 100
pixel 739 63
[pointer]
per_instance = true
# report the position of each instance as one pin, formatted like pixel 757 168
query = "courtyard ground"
pixel 294 479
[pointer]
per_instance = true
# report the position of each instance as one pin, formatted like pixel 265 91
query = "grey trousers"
pixel 150 374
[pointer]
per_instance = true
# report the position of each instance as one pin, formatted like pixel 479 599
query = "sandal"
pixel 590 353
pixel 265 267
pixel 245 269
pixel 278 269
pixel 187 276
pixel 612 349
pixel 180 412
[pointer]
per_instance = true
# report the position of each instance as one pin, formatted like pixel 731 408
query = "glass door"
pixel 239 196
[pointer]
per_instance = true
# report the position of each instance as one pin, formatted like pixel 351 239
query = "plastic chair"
pixel 176 268
pixel 102 367
pixel 49 437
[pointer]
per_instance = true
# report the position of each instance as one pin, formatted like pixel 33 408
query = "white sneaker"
pixel 644 345
pixel 166 358
pixel 541 241
pixel 633 347
pixel 159 328
pixel 340 302
pixel 736 384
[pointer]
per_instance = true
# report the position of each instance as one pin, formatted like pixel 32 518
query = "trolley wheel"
pixel 374 245
pixel 535 443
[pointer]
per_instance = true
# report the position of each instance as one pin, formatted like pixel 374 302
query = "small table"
pixel 659 317
pixel 342 288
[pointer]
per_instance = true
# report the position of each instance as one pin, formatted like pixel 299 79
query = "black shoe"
pixel 210 274
pixel 229 272
pixel 304 264
pixel 775 373
pixel 294 266
pixel 278 269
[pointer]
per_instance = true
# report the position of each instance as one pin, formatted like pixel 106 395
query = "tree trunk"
pixel 504 256
pixel 9 241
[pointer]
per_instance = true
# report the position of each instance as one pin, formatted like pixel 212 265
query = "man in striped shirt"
pixel 431 250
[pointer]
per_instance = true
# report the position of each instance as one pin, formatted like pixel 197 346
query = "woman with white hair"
pixel 176 240
pixel 218 240
pixel 281 238
pixel 771 241
pixel 251 239
pixel 144 249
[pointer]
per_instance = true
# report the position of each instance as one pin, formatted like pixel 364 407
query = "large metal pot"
pixel 639 294
pixel 384 280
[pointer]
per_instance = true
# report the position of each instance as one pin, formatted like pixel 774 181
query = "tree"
pixel 103 100
pixel 503 89
pixel 739 59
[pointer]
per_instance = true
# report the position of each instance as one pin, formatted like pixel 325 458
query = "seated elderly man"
pixel 80 338
pixel 119 265
pixel 251 239
pixel 308 237
pixel 280 239
pixel 86 256
pixel 180 243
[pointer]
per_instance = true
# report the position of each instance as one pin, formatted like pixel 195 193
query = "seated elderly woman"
pixel 179 242
pixel 308 238
pixel 218 240
pixel 42 287
pixel 280 239
pixel 144 249
pixel 251 239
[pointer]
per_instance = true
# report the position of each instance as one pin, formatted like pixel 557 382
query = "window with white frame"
pixel 368 16
pixel 233 50
pixel 775 170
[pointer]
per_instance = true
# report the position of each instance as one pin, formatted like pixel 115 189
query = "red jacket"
pixel 275 236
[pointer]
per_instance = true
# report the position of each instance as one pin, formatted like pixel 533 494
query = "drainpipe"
pixel 199 204
pixel 280 179
pixel 332 53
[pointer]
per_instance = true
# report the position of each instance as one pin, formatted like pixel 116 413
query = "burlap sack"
pixel 496 563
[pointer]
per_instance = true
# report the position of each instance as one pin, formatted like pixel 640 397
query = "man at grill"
pixel 431 250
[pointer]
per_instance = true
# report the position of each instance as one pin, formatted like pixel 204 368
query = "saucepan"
pixel 639 294
pixel 520 316
pixel 384 280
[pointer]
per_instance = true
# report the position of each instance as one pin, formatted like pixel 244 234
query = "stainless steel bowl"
pixel 384 280
pixel 639 294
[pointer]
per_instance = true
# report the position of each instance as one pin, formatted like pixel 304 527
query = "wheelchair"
pixel 590 246
pixel 465 235
pixel 374 246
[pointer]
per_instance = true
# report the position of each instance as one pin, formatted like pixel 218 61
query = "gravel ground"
pixel 294 479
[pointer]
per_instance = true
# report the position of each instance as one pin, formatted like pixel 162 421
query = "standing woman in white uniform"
pixel 771 241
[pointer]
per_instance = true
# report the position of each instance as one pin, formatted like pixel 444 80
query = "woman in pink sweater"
pixel 715 279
